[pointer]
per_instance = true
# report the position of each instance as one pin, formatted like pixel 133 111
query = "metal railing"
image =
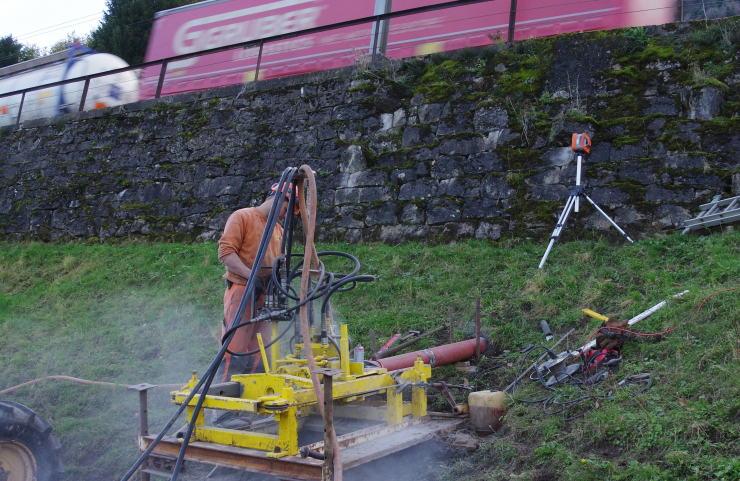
pixel 377 19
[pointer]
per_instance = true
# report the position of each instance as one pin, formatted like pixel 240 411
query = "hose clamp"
pixel 432 359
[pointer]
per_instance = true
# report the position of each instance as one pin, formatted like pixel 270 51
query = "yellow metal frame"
pixel 286 391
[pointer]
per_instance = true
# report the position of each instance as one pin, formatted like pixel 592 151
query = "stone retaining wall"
pixel 395 161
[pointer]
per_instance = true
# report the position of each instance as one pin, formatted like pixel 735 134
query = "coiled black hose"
pixel 556 398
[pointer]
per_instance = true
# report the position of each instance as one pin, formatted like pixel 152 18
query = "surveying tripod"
pixel 581 144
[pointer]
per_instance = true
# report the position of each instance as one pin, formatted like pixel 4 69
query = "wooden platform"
pixel 357 448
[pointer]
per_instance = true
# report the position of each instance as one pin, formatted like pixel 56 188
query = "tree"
pixel 12 51
pixel 71 38
pixel 124 30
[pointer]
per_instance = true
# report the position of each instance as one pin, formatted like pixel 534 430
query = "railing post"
pixel 259 61
pixel 386 29
pixel 680 10
pixel 143 418
pixel 84 94
pixel 375 38
pixel 20 109
pixel 161 79
pixel 512 22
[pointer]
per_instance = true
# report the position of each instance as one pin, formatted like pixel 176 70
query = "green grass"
pixel 151 312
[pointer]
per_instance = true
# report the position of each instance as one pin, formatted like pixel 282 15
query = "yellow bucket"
pixel 486 410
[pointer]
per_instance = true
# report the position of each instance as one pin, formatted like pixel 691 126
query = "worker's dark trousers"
pixel 245 338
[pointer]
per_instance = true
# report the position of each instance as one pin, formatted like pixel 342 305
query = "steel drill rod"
pixel 452 326
pixel 477 328
pixel 534 363
pixel 393 350
pixel 372 343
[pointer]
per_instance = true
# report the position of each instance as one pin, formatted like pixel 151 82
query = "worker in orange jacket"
pixel 237 249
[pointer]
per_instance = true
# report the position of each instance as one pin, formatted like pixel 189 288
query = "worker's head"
pixel 284 207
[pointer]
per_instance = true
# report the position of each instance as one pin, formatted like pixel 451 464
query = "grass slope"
pixel 142 312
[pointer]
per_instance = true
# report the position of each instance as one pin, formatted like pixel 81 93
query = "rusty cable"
pixel 80 381
pixel 310 257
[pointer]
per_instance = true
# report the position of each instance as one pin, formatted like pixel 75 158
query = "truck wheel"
pixel 28 450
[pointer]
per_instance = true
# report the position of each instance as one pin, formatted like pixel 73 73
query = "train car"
pixel 216 23
pixel 75 62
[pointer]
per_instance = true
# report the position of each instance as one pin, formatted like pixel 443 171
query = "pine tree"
pixel 12 51
pixel 126 25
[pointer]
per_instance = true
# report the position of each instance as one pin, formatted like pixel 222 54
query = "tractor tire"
pixel 28 450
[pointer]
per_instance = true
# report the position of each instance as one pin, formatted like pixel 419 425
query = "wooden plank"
pixel 291 467
pixel 378 447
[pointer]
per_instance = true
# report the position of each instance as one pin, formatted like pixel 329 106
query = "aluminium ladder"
pixel 717 212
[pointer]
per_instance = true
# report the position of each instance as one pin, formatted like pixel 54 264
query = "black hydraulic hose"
pixel 556 399
pixel 259 258
pixel 264 242
pixel 343 254
pixel 336 346
pixel 521 365
pixel 271 315
pixel 478 376
pixel 294 272
pixel 217 360
pixel 261 251
pixel 344 276
pixel 287 247
pixel 275 282
pixel 340 283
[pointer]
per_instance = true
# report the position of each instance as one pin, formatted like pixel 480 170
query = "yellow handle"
pixel 263 353
pixel 595 315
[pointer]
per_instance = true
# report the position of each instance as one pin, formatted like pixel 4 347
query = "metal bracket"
pixel 160 465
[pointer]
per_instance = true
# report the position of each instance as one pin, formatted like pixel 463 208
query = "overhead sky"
pixel 44 22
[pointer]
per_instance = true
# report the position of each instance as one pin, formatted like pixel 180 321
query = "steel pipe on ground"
pixel 436 356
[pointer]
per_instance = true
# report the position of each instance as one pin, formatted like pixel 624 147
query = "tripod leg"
pixel 608 218
pixel 578 181
pixel 558 228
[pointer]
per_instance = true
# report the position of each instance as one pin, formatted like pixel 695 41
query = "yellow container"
pixel 486 410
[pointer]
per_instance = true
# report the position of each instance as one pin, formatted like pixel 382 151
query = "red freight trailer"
pixel 216 23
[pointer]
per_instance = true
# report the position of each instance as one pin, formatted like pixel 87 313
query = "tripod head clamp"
pixel 581 143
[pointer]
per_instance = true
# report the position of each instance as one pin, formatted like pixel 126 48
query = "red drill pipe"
pixel 436 356
pixel 390 342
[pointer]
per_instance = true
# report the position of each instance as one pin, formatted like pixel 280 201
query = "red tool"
pixel 390 342
pixel 593 359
